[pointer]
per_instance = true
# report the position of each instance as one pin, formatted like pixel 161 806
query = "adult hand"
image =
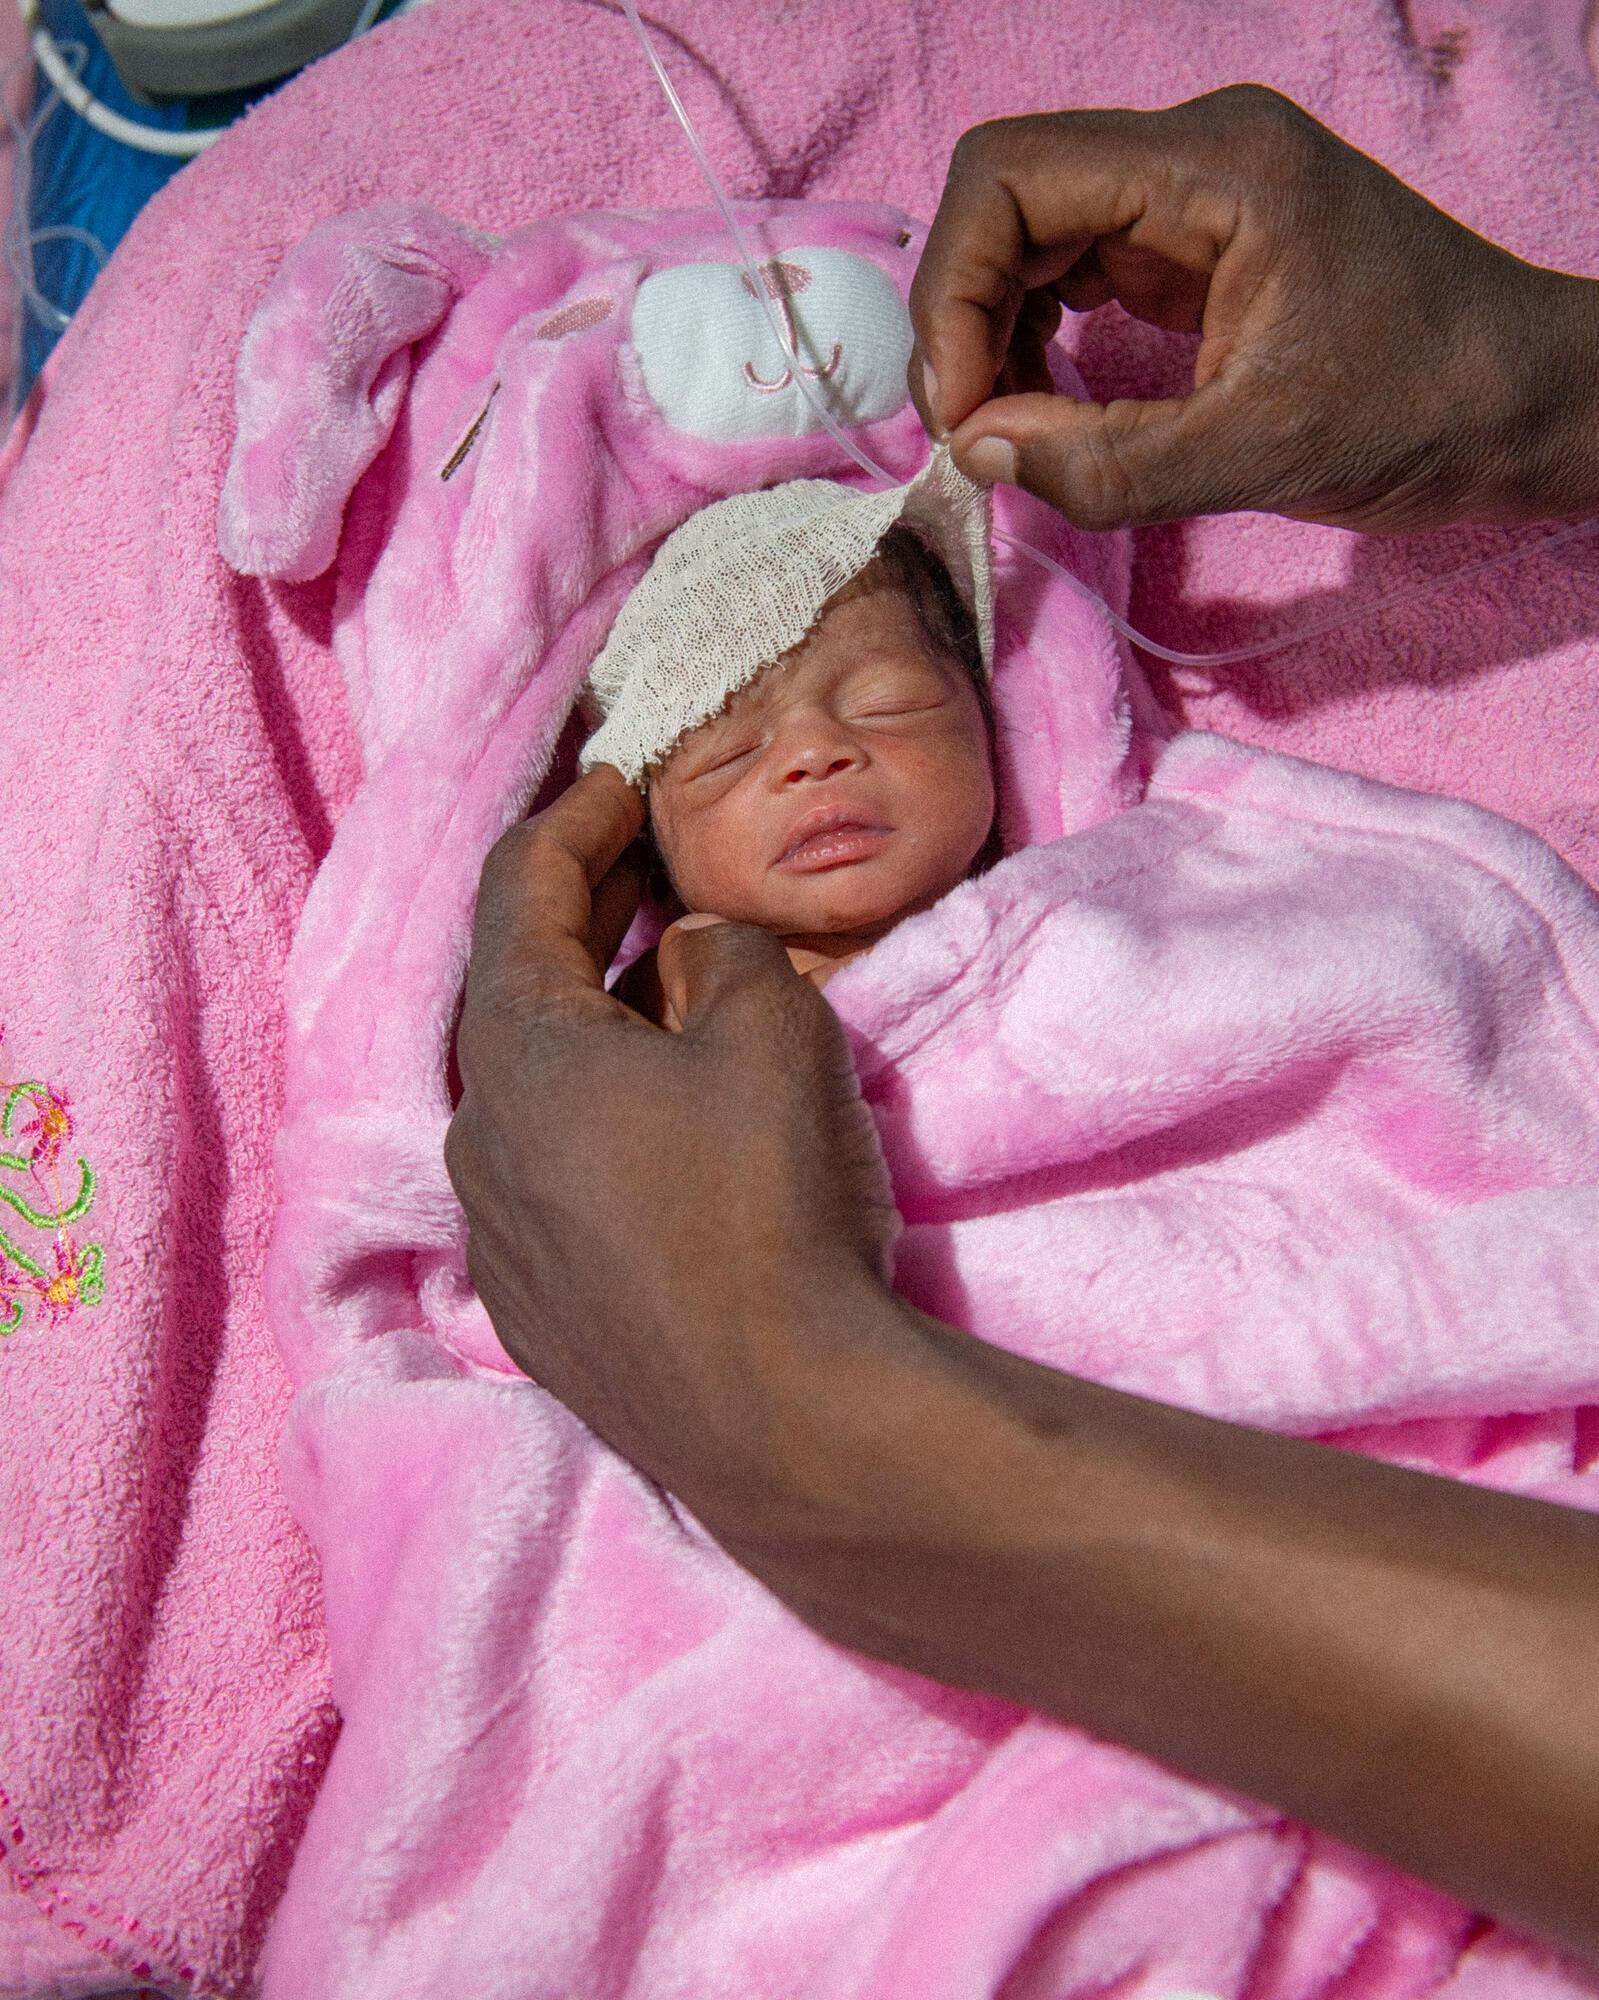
pixel 681 1236
pixel 653 1214
pixel 1364 359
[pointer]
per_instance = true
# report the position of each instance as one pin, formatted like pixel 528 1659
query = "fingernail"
pixel 930 394
pixel 990 459
pixel 697 921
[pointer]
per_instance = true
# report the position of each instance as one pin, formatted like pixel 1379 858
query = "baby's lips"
pixel 817 848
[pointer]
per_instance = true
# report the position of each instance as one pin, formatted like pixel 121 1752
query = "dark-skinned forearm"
pixel 1551 440
pixel 1400 1660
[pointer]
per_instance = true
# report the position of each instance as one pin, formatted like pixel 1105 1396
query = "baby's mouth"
pixel 833 839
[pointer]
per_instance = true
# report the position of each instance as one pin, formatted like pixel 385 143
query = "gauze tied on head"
pixel 745 579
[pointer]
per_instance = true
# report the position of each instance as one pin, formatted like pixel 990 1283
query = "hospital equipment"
pixel 152 83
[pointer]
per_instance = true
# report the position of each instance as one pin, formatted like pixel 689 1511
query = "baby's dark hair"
pixel 945 615
pixel 950 628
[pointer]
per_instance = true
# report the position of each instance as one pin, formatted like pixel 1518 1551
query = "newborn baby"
pixel 828 786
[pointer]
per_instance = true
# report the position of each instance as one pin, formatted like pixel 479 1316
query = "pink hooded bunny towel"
pixel 1241 1083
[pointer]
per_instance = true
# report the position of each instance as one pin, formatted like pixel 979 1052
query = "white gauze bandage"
pixel 743 581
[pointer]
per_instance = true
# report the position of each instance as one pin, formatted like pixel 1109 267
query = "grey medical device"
pixel 166 49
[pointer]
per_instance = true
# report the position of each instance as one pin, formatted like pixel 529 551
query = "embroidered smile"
pixel 783 281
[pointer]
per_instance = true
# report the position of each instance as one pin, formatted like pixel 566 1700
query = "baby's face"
pixel 847 786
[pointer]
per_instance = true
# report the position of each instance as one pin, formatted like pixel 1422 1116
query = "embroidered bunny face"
pixel 709 362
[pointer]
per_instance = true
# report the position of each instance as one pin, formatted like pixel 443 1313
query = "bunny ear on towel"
pixel 322 374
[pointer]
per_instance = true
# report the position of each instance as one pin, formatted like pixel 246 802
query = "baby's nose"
pixel 818 747
pixel 820 760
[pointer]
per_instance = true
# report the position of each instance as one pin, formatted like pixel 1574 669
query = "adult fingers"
pixel 738 995
pixel 733 986
pixel 536 898
pixel 1026 368
pixel 614 903
pixel 1026 199
pixel 593 821
pixel 1114 464
pixel 707 964
pixel 969 287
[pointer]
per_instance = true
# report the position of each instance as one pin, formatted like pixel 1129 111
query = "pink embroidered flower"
pixel 52 1122
pixel 60 1296
pixel 67 1275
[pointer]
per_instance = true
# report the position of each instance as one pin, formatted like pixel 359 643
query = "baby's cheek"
pixel 709 852
pixel 952 790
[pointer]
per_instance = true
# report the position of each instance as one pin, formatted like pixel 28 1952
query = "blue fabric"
pixel 80 176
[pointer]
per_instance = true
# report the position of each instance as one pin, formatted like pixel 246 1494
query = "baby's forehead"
pixel 874 619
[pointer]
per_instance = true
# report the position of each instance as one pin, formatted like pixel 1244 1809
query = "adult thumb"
pixel 715 973
pixel 1111 465
pixel 737 995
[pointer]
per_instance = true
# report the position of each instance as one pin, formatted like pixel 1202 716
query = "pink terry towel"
pixel 1244 1084
pixel 181 751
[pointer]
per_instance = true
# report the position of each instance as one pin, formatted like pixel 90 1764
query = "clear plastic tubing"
pixel 18 241
pixel 1312 628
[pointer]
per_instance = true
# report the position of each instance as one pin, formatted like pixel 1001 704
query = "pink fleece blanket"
pixel 1244 1084
pixel 182 750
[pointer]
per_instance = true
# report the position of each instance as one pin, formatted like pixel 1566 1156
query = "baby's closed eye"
pixel 892 705
pixel 909 695
pixel 723 756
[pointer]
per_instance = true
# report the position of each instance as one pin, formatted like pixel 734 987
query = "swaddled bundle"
pixel 1238 1082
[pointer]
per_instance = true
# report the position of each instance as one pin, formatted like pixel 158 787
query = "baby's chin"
pixel 849 903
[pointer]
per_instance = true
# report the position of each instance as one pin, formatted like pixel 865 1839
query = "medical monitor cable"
pixel 59 64
pixel 1311 629
pixel 48 55
pixel 47 52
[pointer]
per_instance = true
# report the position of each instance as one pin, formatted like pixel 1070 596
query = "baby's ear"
pixel 322 374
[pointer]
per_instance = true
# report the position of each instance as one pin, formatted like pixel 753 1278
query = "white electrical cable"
pixel 1314 628
pixel 147 138
pixel 182 145
pixel 59 64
